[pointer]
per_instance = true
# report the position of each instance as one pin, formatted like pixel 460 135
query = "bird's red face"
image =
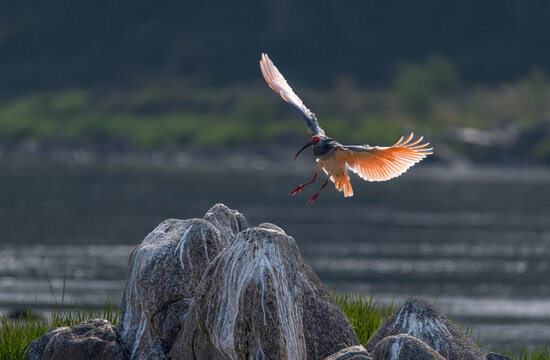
pixel 314 140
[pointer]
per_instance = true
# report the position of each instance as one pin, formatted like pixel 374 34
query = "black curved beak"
pixel 305 146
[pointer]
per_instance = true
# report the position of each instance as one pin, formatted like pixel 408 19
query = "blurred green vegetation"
pixel 418 85
pixel 428 97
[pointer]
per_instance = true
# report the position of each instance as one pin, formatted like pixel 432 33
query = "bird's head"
pixel 314 141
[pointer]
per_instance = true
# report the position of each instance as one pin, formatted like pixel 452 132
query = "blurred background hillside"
pixel 175 76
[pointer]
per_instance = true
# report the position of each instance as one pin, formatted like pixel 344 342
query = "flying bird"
pixel 371 163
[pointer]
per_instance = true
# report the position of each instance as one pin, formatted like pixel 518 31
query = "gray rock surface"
pixel 94 339
pixel 495 356
pixel 404 347
pixel 419 318
pixel 272 227
pixel 165 270
pixel 357 352
pixel 153 350
pixel 258 299
pixel 36 347
pixel 228 222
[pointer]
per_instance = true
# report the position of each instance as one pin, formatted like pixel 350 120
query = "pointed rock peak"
pixel 420 319
pixel 228 222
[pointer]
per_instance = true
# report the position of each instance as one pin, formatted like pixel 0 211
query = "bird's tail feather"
pixel 342 183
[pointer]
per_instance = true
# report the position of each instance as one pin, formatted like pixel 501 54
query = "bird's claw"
pixel 312 199
pixel 296 191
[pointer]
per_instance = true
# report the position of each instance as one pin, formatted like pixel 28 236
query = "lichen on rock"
pixel 259 298
pixel 420 319
pixel 165 270
pixel 94 339
pixel 404 347
pixel 357 352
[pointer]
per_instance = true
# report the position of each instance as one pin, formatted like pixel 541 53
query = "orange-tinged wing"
pixel 278 83
pixel 383 163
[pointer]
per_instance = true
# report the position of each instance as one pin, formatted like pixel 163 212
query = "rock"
pixel 404 347
pixel 495 356
pixel 36 347
pixel 153 350
pixel 357 352
pixel 258 299
pixel 419 318
pixel 88 340
pixel 272 227
pixel 228 222
pixel 165 270
pixel 168 322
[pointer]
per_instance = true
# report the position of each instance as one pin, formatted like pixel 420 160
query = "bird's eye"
pixel 315 140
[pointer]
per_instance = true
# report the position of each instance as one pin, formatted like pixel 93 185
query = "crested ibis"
pixel 371 163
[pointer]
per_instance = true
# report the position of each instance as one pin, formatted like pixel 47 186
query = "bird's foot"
pixel 312 199
pixel 297 190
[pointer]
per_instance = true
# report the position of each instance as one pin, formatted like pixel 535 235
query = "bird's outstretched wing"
pixel 277 82
pixel 383 163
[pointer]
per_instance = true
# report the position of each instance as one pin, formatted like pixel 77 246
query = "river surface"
pixel 475 241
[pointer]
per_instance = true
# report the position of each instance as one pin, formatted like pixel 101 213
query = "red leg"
pixel 314 197
pixel 301 187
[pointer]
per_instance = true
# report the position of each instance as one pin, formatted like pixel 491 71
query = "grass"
pixel 16 334
pixel 364 312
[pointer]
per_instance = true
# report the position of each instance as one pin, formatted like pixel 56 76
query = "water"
pixel 476 241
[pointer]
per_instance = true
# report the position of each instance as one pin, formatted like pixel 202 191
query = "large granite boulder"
pixel 165 270
pixel 94 339
pixel 420 319
pixel 258 299
pixel 404 347
pixel 357 352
